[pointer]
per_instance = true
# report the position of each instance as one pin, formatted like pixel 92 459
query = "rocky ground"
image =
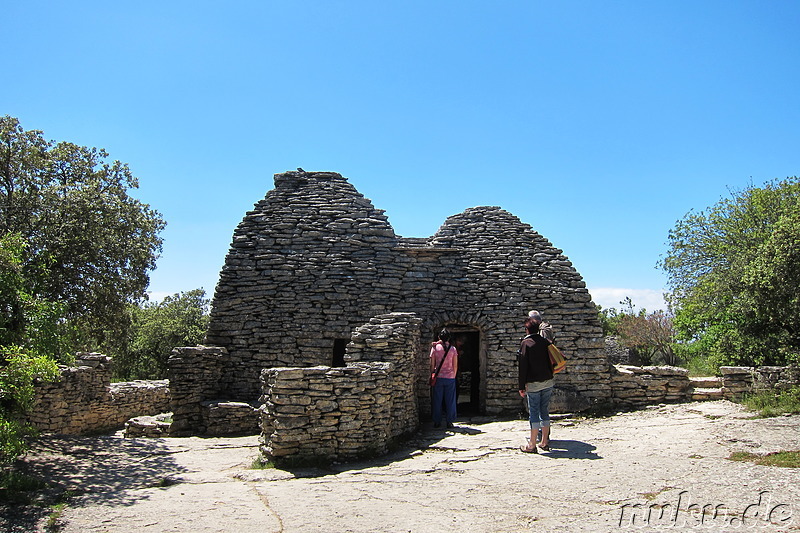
pixel 662 467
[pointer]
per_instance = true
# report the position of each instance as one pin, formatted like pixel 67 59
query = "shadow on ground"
pixel 571 449
pixel 104 469
pixel 428 438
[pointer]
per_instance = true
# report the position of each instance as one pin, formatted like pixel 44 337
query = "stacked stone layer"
pixel 738 380
pixel 83 399
pixel 393 338
pixel 322 412
pixel 314 261
pixel 636 386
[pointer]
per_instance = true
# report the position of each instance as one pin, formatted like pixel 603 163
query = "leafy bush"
pixel 31 329
pixel 157 328
pixel 699 364
pixel 18 487
pixel 18 372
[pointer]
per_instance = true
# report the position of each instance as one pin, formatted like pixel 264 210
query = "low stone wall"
pixel 395 338
pixel 637 386
pixel 83 399
pixel 329 413
pixel 344 413
pixel 195 373
pixel 634 386
pixel 738 380
pixel 221 418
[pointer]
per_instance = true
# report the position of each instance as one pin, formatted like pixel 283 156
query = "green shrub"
pixel 774 403
pixel 18 371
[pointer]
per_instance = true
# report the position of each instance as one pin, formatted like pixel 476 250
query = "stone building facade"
pixel 314 260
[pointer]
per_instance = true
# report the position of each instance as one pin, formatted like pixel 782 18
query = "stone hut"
pixel 314 260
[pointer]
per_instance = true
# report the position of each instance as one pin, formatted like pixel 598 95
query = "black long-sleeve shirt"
pixel 534 361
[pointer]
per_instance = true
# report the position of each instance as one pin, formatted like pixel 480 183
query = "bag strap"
pixel 446 351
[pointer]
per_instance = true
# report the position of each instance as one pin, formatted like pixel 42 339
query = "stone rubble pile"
pixel 148 426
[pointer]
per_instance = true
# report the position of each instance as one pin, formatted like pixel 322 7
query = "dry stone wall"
pixel 83 399
pixel 314 261
pixel 309 264
pixel 511 269
pixel 393 338
pixel 198 403
pixel 636 386
pixel 346 412
pixel 738 380
pixel 330 413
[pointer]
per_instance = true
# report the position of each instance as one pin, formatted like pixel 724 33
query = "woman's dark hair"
pixel 444 335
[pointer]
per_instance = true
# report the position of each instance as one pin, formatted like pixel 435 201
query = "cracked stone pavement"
pixel 472 479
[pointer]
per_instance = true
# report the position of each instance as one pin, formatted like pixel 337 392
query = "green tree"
pixel 89 244
pixel 30 331
pixel 28 321
pixel 725 268
pixel 610 318
pixel 157 328
pixel 651 335
pixel 770 287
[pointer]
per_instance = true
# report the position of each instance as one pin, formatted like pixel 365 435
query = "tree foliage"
pixel 733 270
pixel 31 330
pixel 89 244
pixel 651 336
pixel 28 321
pixel 157 328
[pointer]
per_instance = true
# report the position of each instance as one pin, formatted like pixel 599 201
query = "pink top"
pixel 449 367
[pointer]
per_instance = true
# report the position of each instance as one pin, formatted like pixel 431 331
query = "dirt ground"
pixel 662 467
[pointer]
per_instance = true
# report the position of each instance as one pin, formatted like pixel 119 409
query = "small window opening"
pixel 339 347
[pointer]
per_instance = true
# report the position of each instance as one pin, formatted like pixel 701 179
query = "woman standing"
pixel 536 381
pixel 444 364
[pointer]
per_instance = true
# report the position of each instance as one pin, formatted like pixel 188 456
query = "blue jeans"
pixel 539 408
pixel 445 389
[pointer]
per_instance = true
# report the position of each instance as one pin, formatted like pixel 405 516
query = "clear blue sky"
pixel 598 123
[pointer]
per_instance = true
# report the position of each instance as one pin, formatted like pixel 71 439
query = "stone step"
pixel 706 382
pixel 700 393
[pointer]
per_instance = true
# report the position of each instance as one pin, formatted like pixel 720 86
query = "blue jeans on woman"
pixel 445 388
pixel 539 408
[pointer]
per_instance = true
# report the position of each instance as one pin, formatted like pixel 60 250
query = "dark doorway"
pixel 468 379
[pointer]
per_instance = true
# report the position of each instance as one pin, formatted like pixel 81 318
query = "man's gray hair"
pixel 535 315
